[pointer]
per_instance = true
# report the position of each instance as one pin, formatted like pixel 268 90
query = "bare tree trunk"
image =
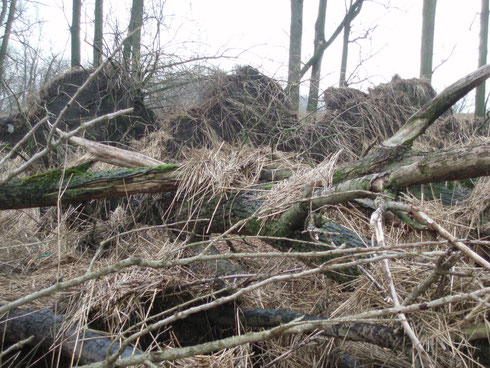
pixel 345 51
pixel 138 6
pixel 3 13
pixel 317 65
pixel 98 31
pixel 295 35
pixel 427 46
pixel 6 36
pixel 482 58
pixel 132 46
pixel 353 12
pixel 75 33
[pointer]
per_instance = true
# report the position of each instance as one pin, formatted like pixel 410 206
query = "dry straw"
pixel 36 256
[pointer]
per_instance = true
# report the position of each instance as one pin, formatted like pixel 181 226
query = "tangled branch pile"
pixel 230 267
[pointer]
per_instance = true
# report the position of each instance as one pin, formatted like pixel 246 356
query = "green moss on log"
pixel 77 185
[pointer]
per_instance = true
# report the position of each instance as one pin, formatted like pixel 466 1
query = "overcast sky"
pixel 257 32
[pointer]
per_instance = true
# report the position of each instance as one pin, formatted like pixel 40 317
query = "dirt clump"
pixel 244 107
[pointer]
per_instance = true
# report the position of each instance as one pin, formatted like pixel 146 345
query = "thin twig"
pixel 377 224
pixel 441 269
pixel 446 235
pixel 17 345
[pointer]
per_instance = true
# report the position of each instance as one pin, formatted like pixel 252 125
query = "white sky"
pixel 258 31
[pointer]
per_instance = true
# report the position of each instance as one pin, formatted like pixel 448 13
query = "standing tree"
pixel 3 13
pixel 295 35
pixel 132 46
pixel 345 50
pixel 353 11
pixel 482 59
pixel 317 65
pixel 6 35
pixel 98 31
pixel 75 33
pixel 321 45
pixel 427 46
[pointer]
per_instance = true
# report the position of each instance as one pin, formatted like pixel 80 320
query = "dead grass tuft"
pixel 287 192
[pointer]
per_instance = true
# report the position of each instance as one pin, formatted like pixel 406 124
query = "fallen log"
pixel 75 185
pixel 84 346
pixel 353 331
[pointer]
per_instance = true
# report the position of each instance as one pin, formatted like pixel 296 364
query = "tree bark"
pixel 98 31
pixel 427 45
pixel 79 185
pixel 295 35
pixel 75 33
pixel 136 39
pixel 6 37
pixel 345 52
pixel 317 65
pixel 3 13
pixel 132 46
pixel 480 109
pixel 355 331
pixel 47 328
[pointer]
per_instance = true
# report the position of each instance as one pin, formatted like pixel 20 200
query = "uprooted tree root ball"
pixel 110 91
pixel 244 107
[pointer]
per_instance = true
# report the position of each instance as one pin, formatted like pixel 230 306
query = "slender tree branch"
pixel 354 10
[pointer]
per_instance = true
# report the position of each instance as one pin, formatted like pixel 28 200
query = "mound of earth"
pixel 243 107
pixel 110 91
pixel 355 120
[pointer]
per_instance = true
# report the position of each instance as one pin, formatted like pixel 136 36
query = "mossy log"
pixel 75 185
pixel 218 215
pixel 78 185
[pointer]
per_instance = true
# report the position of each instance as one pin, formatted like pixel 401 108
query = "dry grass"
pixel 244 107
pixel 353 121
pixel 287 192
pixel 38 251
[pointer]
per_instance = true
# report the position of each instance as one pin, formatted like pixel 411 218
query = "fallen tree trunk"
pixel 83 346
pixel 75 185
pixel 78 185
pixel 355 331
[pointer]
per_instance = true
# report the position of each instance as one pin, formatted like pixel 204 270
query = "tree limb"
pixel 422 119
pixel 354 10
